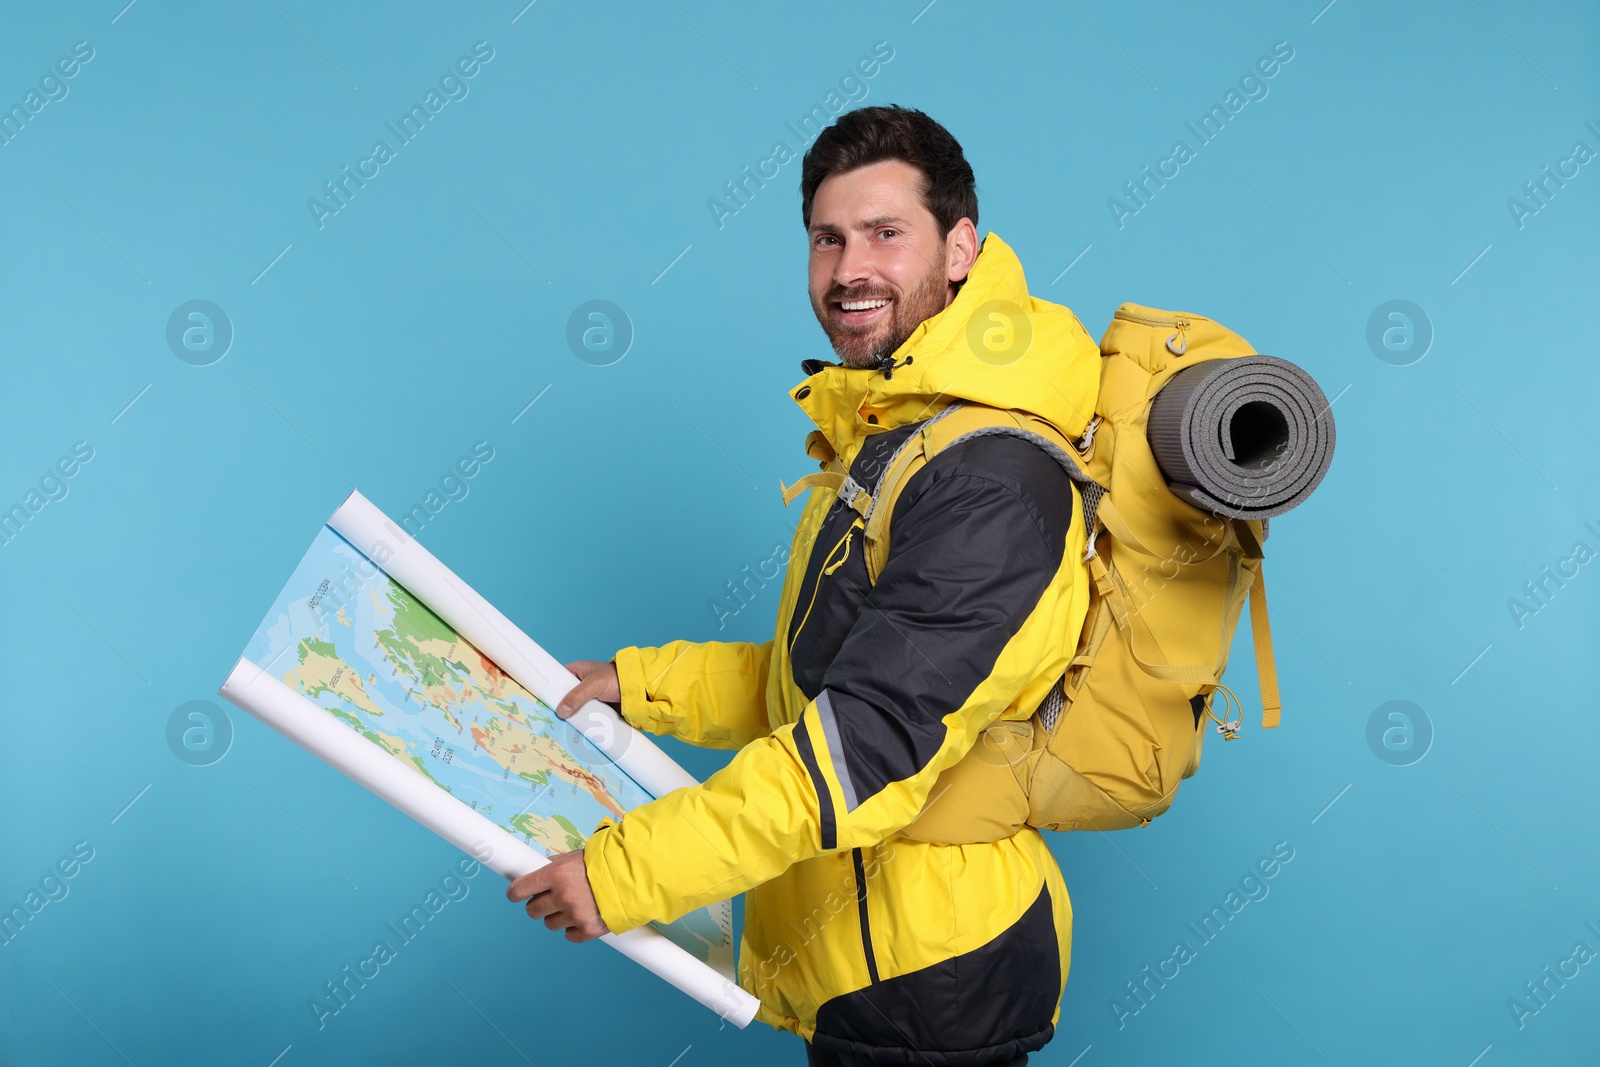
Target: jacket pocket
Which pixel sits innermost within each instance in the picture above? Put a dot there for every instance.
(866, 924)
(836, 557)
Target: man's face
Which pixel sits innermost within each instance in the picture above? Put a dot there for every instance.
(878, 266)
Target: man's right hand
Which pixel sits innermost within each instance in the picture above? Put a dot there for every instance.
(596, 681)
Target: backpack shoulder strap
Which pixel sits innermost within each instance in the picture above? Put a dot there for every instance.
(955, 423)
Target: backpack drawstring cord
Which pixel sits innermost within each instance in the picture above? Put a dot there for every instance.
(1226, 726)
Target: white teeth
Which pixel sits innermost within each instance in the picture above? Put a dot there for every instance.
(862, 305)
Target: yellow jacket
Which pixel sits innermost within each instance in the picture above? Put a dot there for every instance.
(859, 939)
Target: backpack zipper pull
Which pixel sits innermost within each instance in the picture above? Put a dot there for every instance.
(1181, 337)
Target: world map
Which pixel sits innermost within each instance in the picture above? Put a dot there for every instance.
(361, 647)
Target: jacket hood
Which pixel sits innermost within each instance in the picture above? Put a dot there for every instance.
(995, 344)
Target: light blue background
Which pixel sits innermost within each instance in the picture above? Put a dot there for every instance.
(432, 309)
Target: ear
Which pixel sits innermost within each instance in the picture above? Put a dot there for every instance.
(960, 250)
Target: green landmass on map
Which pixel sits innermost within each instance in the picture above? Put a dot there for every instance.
(414, 624)
(574, 838)
(555, 833)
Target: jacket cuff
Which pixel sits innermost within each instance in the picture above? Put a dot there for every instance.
(636, 710)
(601, 884)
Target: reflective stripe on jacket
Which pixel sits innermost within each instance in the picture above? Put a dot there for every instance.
(860, 941)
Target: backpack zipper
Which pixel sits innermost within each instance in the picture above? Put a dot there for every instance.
(1180, 319)
(829, 565)
(1178, 343)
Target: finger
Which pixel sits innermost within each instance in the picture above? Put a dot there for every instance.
(541, 906)
(580, 694)
(529, 885)
(558, 920)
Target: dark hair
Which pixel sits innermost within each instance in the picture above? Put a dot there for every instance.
(873, 134)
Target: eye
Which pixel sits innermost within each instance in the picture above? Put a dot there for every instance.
(824, 237)
(887, 231)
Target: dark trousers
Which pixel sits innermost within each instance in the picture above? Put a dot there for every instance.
(816, 1057)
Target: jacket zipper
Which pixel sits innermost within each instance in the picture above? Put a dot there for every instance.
(829, 565)
(861, 905)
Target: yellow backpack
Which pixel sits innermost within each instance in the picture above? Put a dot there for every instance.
(1109, 747)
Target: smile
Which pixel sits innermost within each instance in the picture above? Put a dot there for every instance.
(861, 312)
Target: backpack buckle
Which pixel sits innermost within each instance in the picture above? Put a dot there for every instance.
(854, 495)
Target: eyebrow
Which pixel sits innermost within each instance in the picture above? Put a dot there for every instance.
(869, 224)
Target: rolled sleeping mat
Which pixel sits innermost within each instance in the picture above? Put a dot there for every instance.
(1247, 438)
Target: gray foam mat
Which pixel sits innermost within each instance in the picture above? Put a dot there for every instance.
(1247, 438)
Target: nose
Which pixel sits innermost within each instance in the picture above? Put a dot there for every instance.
(854, 265)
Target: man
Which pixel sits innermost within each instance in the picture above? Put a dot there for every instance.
(876, 946)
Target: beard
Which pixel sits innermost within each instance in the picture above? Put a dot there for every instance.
(866, 346)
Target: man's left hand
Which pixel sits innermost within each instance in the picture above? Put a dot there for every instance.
(559, 894)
